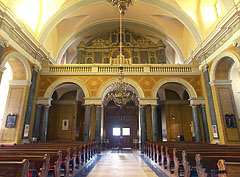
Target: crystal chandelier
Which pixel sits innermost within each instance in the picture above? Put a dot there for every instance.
(120, 93)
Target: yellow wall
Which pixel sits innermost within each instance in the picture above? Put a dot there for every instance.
(16, 104)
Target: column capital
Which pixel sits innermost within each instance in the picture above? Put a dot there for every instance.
(36, 68)
(220, 82)
(205, 67)
(20, 82)
(44, 101)
(142, 106)
(92, 101)
(196, 101)
(148, 101)
(3, 42)
(236, 42)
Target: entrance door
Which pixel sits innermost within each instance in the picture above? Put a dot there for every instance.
(121, 125)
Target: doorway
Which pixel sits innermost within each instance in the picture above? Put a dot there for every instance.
(121, 126)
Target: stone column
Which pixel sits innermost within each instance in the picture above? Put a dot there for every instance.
(210, 98)
(205, 124)
(87, 122)
(196, 122)
(143, 122)
(30, 99)
(36, 121)
(44, 123)
(154, 123)
(98, 127)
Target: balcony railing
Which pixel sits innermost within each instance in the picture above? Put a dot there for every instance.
(163, 69)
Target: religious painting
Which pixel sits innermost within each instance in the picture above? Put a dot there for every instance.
(11, 121)
(230, 121)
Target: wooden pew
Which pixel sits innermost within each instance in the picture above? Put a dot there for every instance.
(14, 168)
(228, 169)
(207, 154)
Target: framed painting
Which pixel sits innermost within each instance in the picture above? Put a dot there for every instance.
(11, 121)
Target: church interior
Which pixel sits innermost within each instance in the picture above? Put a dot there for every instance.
(155, 80)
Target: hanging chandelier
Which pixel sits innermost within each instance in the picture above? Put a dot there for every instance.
(121, 5)
(120, 93)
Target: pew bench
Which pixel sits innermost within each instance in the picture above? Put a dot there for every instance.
(14, 168)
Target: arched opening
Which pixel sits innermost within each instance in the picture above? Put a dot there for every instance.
(121, 124)
(66, 114)
(14, 88)
(174, 112)
(226, 83)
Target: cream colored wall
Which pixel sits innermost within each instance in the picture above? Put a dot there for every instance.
(51, 43)
(188, 43)
(234, 76)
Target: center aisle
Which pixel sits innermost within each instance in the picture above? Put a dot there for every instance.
(121, 164)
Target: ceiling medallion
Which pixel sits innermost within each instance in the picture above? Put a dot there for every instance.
(120, 93)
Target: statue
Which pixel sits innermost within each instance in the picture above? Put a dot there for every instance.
(192, 130)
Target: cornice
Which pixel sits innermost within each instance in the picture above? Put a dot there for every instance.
(197, 101)
(228, 26)
(220, 82)
(17, 32)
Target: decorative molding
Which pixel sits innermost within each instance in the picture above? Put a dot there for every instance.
(148, 101)
(236, 42)
(204, 68)
(238, 68)
(174, 102)
(93, 101)
(36, 68)
(20, 82)
(16, 31)
(64, 102)
(197, 101)
(3, 42)
(218, 60)
(220, 82)
(191, 91)
(2, 68)
(54, 85)
(224, 32)
(44, 101)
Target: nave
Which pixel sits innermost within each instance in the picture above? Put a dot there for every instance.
(126, 163)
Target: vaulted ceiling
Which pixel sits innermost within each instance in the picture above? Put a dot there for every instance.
(59, 25)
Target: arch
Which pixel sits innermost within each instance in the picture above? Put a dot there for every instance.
(174, 10)
(218, 59)
(129, 81)
(23, 60)
(192, 93)
(53, 86)
(115, 22)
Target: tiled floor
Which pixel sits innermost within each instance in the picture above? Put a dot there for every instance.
(121, 164)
